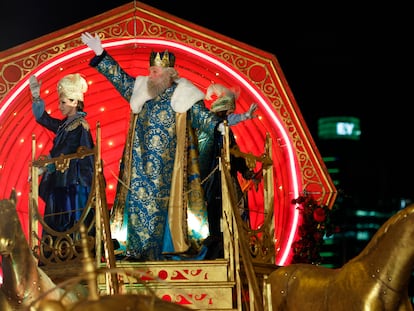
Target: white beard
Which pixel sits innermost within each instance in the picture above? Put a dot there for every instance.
(157, 87)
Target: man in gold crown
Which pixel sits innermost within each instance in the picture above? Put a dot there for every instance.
(160, 186)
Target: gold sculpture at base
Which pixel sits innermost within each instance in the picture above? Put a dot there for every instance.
(26, 287)
(23, 281)
(376, 279)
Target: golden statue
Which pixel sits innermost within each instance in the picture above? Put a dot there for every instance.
(376, 279)
(23, 281)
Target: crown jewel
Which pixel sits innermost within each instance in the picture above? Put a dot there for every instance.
(163, 59)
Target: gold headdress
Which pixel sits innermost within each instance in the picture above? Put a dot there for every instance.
(163, 59)
(72, 86)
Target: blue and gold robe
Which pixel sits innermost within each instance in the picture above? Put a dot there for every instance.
(159, 196)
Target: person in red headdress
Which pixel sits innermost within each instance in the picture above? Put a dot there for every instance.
(160, 187)
(222, 102)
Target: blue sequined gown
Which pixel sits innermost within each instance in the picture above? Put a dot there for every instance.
(65, 193)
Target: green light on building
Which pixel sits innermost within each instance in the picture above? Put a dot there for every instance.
(339, 128)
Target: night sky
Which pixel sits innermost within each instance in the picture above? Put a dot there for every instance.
(338, 59)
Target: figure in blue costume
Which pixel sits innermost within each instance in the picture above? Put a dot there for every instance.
(222, 102)
(65, 193)
(159, 197)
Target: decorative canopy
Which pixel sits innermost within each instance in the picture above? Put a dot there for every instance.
(130, 33)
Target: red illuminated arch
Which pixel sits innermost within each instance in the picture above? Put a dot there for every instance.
(201, 56)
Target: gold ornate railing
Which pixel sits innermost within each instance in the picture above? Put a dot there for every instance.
(250, 252)
(60, 253)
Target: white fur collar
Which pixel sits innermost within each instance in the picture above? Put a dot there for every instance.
(185, 95)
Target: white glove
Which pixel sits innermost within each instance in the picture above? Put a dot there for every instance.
(220, 128)
(249, 114)
(34, 87)
(94, 43)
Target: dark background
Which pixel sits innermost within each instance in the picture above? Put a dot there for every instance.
(339, 58)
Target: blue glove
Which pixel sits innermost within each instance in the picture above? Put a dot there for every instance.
(235, 118)
(249, 114)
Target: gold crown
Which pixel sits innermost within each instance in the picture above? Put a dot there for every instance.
(164, 59)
